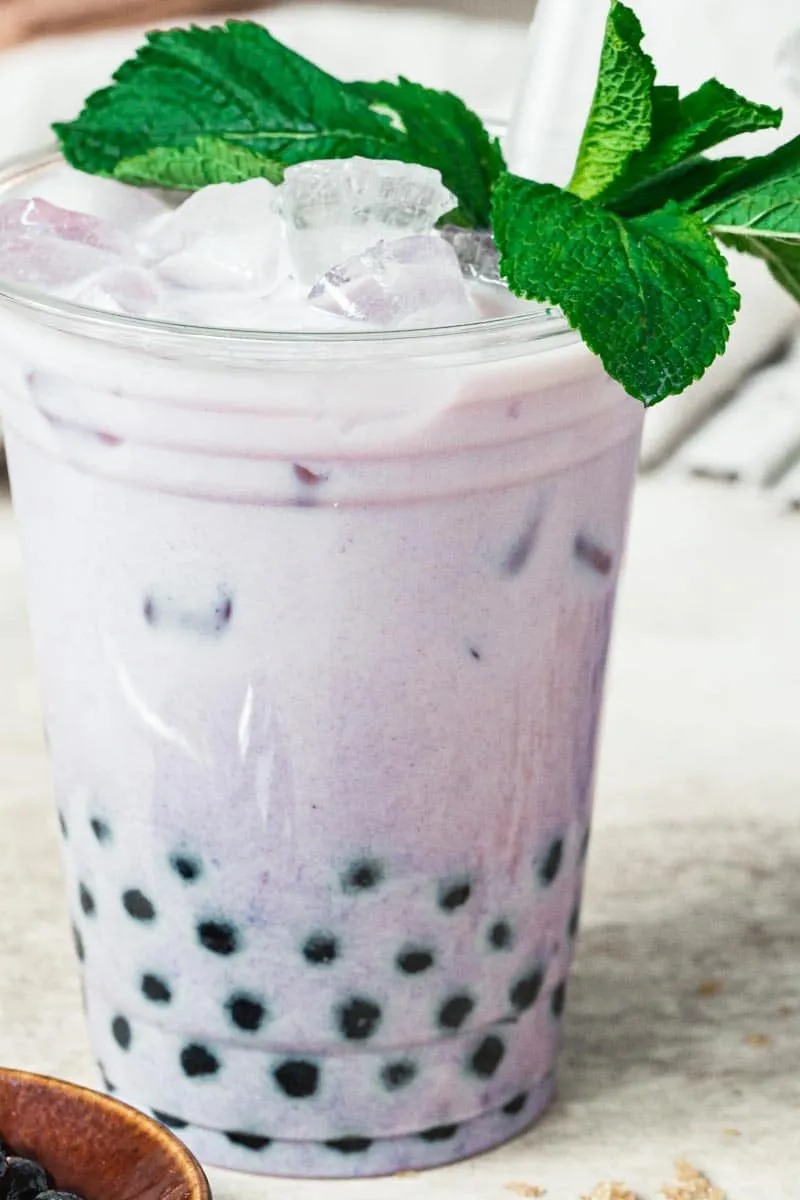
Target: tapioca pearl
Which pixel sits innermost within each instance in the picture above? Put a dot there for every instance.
(591, 554)
(170, 1121)
(516, 1105)
(487, 1057)
(77, 941)
(121, 1032)
(358, 1018)
(138, 906)
(524, 992)
(219, 937)
(454, 894)
(363, 875)
(101, 830)
(248, 1141)
(500, 936)
(308, 477)
(156, 989)
(320, 949)
(439, 1133)
(519, 552)
(573, 924)
(62, 825)
(549, 866)
(415, 960)
(297, 1078)
(199, 1062)
(87, 901)
(246, 1012)
(398, 1074)
(349, 1145)
(584, 850)
(455, 1011)
(187, 867)
(107, 1084)
(558, 1000)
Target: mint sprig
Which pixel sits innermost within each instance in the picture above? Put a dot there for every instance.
(177, 112)
(629, 250)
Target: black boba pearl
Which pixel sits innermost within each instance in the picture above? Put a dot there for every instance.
(107, 1084)
(414, 960)
(455, 1011)
(220, 937)
(121, 1030)
(454, 895)
(138, 906)
(551, 863)
(585, 845)
(439, 1133)
(186, 866)
(297, 1078)
(516, 1105)
(364, 875)
(358, 1018)
(350, 1145)
(87, 900)
(574, 921)
(170, 1121)
(80, 949)
(593, 555)
(101, 829)
(198, 1061)
(558, 999)
(398, 1074)
(525, 992)
(488, 1056)
(320, 949)
(246, 1012)
(501, 936)
(23, 1179)
(155, 989)
(250, 1141)
(62, 824)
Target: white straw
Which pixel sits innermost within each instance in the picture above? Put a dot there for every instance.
(564, 48)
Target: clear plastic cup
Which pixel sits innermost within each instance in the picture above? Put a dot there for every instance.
(321, 626)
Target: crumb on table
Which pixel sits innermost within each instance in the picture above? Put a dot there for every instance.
(691, 1184)
(526, 1189)
(610, 1191)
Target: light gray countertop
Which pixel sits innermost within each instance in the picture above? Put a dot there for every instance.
(694, 881)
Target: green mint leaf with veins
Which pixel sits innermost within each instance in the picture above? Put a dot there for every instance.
(187, 168)
(683, 129)
(621, 117)
(440, 131)
(650, 295)
(198, 92)
(756, 209)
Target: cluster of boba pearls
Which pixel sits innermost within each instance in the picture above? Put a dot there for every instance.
(25, 1179)
(357, 1018)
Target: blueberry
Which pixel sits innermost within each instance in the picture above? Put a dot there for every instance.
(23, 1179)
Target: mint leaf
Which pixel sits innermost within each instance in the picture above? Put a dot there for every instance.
(209, 93)
(686, 183)
(236, 83)
(706, 118)
(621, 116)
(187, 168)
(441, 132)
(650, 295)
(756, 209)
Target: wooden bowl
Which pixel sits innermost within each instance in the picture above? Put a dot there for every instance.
(93, 1145)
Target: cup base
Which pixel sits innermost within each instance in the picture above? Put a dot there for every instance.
(353, 1158)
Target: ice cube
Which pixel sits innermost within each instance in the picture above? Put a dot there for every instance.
(41, 243)
(224, 236)
(412, 282)
(476, 252)
(336, 209)
(127, 207)
(123, 289)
